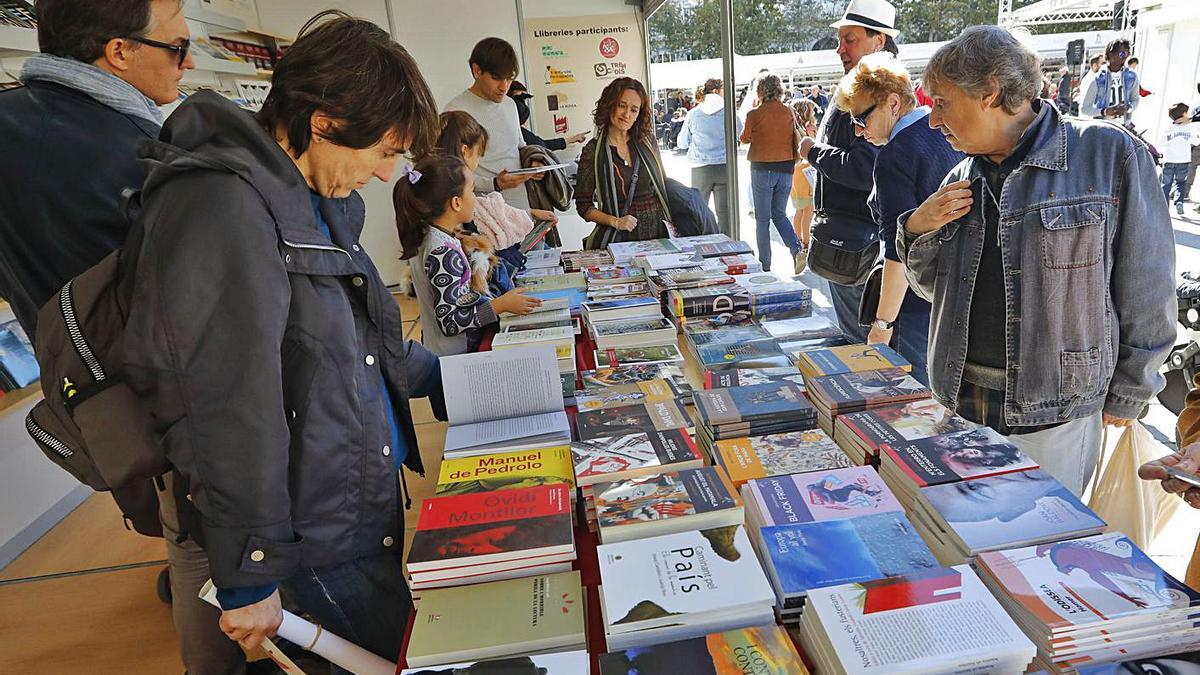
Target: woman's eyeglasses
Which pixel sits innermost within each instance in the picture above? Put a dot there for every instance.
(181, 49)
(860, 121)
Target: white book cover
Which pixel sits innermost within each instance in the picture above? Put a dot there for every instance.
(549, 257)
(564, 334)
(936, 621)
(655, 581)
(624, 251)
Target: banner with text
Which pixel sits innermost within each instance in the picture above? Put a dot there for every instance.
(571, 60)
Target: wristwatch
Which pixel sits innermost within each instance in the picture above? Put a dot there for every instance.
(883, 325)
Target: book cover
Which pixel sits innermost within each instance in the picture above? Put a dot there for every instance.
(617, 291)
(829, 553)
(562, 663)
(16, 355)
(737, 377)
(779, 454)
(731, 247)
(506, 471)
(653, 581)
(961, 456)
(717, 299)
(631, 356)
(756, 401)
(617, 395)
(574, 297)
(668, 261)
(499, 618)
(601, 306)
(854, 391)
(761, 650)
(1011, 509)
(608, 274)
(604, 378)
(951, 623)
(849, 359)
(624, 251)
(906, 422)
(618, 327)
(833, 494)
(1086, 581)
(491, 525)
(664, 496)
(788, 327)
(657, 415)
(609, 457)
(750, 354)
(567, 281)
(700, 334)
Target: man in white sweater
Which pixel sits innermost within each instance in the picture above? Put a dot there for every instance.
(494, 66)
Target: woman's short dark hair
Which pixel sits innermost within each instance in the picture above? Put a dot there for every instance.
(770, 88)
(459, 129)
(643, 127)
(81, 29)
(497, 57)
(351, 70)
(712, 85)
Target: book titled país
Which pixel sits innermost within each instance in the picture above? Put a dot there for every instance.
(644, 506)
(506, 470)
(834, 494)
(759, 650)
(613, 458)
(779, 454)
(954, 457)
(849, 359)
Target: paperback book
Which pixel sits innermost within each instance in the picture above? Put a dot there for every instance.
(849, 359)
(674, 501)
(603, 275)
(596, 381)
(778, 454)
(763, 353)
(506, 471)
(738, 377)
(954, 457)
(759, 650)
(632, 356)
(624, 252)
(739, 405)
(850, 392)
(618, 395)
(613, 458)
(832, 494)
(562, 663)
(644, 416)
(633, 333)
(868, 429)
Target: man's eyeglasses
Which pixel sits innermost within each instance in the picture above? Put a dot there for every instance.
(180, 49)
(860, 121)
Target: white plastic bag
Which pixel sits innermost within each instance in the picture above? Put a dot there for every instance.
(1139, 508)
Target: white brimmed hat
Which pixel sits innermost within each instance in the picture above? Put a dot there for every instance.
(878, 15)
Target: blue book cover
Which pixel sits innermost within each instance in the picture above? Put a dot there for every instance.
(820, 554)
(766, 401)
(16, 355)
(575, 296)
(761, 351)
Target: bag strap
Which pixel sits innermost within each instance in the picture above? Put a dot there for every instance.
(633, 181)
(1100, 459)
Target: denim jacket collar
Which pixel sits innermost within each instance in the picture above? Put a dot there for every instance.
(1049, 145)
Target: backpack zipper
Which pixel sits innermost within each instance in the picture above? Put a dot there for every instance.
(319, 247)
(67, 303)
(42, 436)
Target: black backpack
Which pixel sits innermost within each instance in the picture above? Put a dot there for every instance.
(689, 213)
(90, 422)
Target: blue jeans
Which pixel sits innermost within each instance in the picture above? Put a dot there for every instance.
(911, 340)
(1175, 173)
(770, 190)
(365, 601)
(845, 301)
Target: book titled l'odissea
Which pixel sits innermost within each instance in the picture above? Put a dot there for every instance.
(613, 458)
(954, 457)
(849, 359)
(506, 470)
(754, 402)
(674, 501)
(761, 650)
(492, 527)
(779, 454)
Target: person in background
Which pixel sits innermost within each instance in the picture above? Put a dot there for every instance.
(520, 95)
(1086, 81)
(1178, 140)
(1133, 65)
(771, 132)
(803, 176)
(434, 200)
(1187, 460)
(1082, 216)
(71, 137)
(913, 159)
(1062, 95)
(267, 348)
(621, 186)
(817, 96)
(494, 66)
(1194, 112)
(703, 136)
(1114, 92)
(845, 236)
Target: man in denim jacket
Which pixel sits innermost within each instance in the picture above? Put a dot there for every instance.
(1114, 92)
(1048, 256)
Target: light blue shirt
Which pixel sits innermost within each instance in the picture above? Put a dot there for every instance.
(703, 135)
(910, 118)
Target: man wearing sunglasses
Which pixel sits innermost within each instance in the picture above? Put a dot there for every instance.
(70, 137)
(1114, 93)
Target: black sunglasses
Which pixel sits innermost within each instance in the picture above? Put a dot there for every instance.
(181, 49)
(861, 120)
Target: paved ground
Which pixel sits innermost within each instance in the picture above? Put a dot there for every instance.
(1173, 548)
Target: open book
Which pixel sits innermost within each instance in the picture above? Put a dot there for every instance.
(504, 400)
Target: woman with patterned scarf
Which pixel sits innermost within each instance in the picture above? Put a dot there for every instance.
(621, 186)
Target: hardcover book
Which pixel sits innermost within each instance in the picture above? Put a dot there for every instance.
(834, 494)
(665, 580)
(670, 496)
(500, 618)
(849, 359)
(506, 471)
(613, 458)
(719, 299)
(645, 416)
(953, 457)
(779, 454)
(761, 650)
(487, 527)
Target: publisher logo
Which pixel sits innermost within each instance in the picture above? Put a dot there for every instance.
(560, 124)
(559, 75)
(553, 52)
(609, 48)
(609, 69)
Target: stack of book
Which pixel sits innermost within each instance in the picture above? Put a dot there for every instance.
(553, 313)
(936, 621)
(607, 275)
(634, 289)
(749, 354)
(637, 307)
(721, 329)
(761, 650)
(598, 380)
(717, 299)
(836, 395)
(849, 359)
(662, 283)
(754, 410)
(487, 536)
(738, 376)
(615, 458)
(660, 262)
(950, 458)
(648, 332)
(770, 295)
(1025, 508)
(664, 503)
(778, 455)
(625, 252)
(644, 415)
(740, 263)
(561, 663)
(817, 496)
(723, 248)
(861, 433)
(506, 471)
(617, 395)
(680, 586)
(577, 261)
(514, 617)
(1093, 600)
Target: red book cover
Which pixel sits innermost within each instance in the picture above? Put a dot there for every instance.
(912, 590)
(494, 507)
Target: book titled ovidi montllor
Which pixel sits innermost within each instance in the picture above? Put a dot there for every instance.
(492, 527)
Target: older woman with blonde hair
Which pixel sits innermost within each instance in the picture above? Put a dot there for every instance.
(913, 160)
